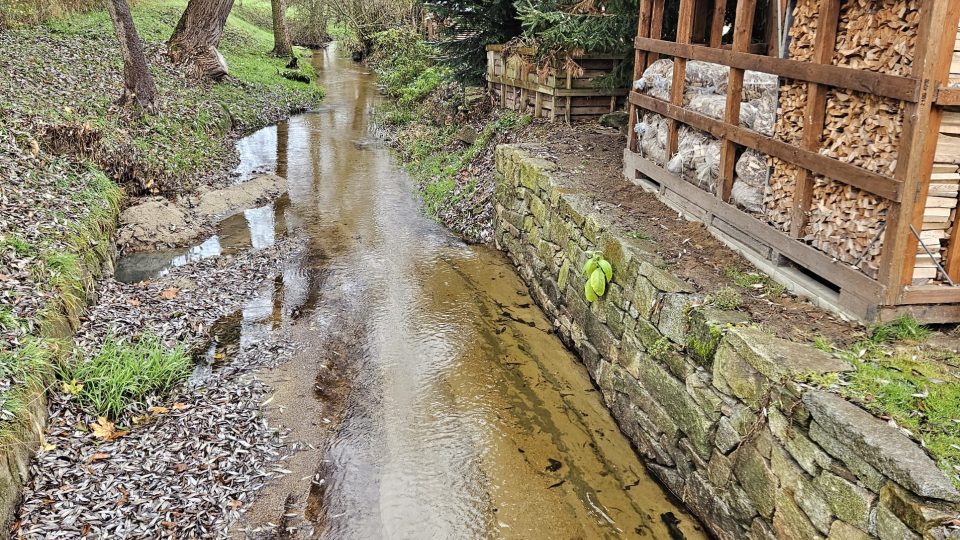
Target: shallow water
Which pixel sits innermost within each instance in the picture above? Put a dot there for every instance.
(465, 416)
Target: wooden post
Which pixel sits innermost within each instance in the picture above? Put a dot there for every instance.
(684, 27)
(941, 74)
(931, 57)
(814, 113)
(568, 113)
(716, 26)
(639, 62)
(656, 27)
(742, 32)
(538, 105)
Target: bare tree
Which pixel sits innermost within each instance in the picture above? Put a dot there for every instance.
(198, 34)
(138, 85)
(281, 34)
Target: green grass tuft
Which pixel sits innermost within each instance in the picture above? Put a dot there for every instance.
(126, 373)
(904, 329)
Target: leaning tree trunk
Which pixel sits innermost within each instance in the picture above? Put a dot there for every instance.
(198, 34)
(281, 35)
(138, 86)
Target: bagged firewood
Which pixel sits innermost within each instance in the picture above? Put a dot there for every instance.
(748, 197)
(697, 159)
(652, 135)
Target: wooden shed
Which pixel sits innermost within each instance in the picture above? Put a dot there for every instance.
(859, 159)
(516, 82)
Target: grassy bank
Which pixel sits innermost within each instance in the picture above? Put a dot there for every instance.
(905, 380)
(444, 133)
(70, 155)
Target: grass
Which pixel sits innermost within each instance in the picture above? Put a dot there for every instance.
(66, 76)
(180, 141)
(727, 298)
(897, 379)
(124, 374)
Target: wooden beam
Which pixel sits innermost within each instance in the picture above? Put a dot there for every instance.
(892, 86)
(684, 28)
(931, 62)
(883, 186)
(716, 25)
(742, 32)
(814, 113)
(948, 97)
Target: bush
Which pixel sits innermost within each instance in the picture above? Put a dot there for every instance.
(125, 374)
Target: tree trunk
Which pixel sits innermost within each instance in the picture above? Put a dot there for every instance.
(281, 35)
(138, 86)
(198, 34)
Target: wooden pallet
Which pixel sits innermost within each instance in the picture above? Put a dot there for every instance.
(514, 82)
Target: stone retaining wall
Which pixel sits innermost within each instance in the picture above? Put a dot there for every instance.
(709, 400)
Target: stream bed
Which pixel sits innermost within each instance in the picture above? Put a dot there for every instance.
(429, 394)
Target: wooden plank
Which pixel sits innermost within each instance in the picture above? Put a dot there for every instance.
(930, 294)
(684, 28)
(886, 187)
(742, 31)
(815, 112)
(917, 145)
(902, 88)
(817, 261)
(948, 97)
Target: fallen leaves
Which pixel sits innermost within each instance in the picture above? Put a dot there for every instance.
(170, 294)
(106, 430)
(97, 456)
(158, 410)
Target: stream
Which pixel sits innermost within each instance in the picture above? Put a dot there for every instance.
(430, 394)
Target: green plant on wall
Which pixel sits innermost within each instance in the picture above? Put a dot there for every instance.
(599, 272)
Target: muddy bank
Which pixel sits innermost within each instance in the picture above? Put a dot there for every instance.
(157, 223)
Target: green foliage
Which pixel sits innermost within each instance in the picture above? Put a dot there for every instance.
(405, 64)
(125, 373)
(471, 25)
(905, 328)
(560, 28)
(598, 272)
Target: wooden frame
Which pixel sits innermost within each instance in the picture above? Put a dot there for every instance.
(924, 92)
(556, 93)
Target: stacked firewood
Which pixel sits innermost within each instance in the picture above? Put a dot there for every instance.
(861, 129)
(789, 125)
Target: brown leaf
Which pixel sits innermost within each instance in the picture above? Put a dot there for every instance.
(106, 430)
(133, 302)
(159, 410)
(180, 406)
(170, 294)
(97, 457)
(180, 467)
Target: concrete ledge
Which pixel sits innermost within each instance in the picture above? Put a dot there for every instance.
(713, 403)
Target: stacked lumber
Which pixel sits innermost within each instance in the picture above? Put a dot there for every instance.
(861, 129)
(955, 63)
(938, 217)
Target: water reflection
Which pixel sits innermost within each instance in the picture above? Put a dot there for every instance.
(257, 228)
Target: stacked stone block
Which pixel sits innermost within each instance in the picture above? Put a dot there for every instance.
(712, 402)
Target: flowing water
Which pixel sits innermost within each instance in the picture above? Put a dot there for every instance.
(435, 398)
